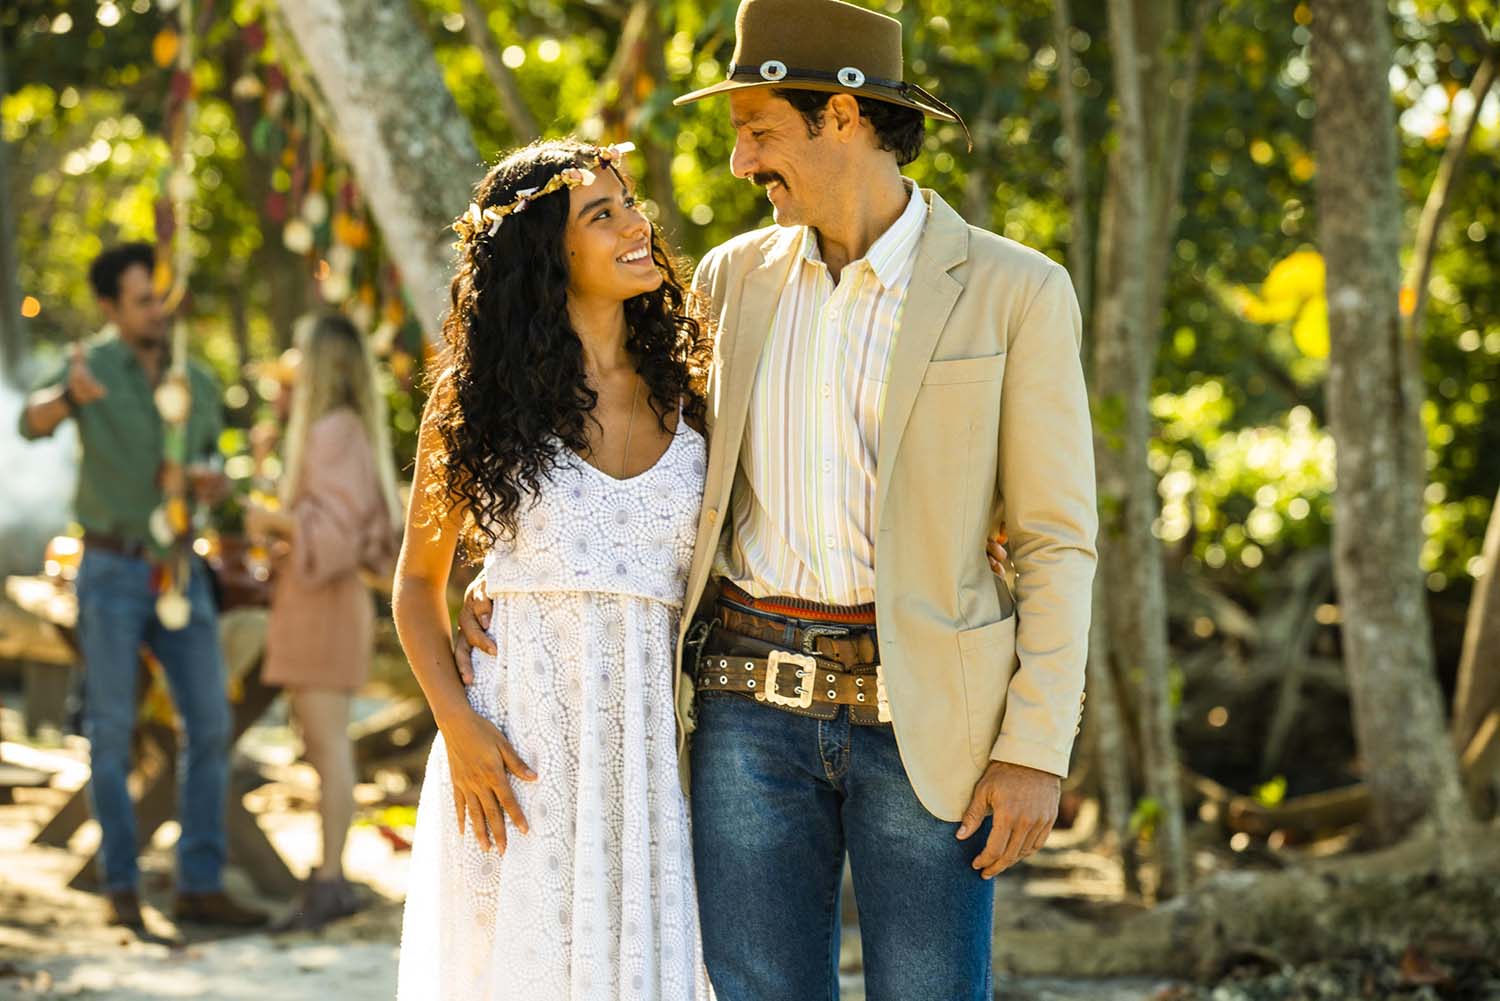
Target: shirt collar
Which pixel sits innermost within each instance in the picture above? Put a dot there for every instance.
(891, 254)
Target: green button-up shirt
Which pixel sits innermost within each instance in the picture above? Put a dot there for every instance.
(122, 439)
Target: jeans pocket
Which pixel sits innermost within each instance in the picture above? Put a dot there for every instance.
(100, 572)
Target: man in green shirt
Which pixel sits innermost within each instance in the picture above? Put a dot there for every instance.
(108, 387)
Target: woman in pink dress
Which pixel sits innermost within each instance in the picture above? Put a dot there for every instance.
(338, 519)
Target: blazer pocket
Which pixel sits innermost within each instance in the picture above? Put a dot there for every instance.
(960, 370)
(988, 653)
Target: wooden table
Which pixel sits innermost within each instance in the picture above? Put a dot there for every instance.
(155, 774)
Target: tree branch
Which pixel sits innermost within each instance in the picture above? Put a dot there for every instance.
(1477, 692)
(1168, 181)
(1440, 195)
(519, 116)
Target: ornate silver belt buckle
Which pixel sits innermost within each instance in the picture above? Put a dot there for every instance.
(807, 668)
(882, 703)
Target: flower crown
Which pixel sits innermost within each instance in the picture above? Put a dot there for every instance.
(487, 220)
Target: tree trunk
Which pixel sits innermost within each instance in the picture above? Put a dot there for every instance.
(979, 186)
(1107, 718)
(517, 114)
(1111, 755)
(1124, 353)
(1373, 403)
(398, 128)
(1080, 251)
(12, 324)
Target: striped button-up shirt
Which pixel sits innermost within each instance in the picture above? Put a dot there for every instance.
(805, 528)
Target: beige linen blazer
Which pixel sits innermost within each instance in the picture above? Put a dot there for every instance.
(985, 406)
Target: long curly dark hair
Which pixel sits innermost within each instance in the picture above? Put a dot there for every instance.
(511, 382)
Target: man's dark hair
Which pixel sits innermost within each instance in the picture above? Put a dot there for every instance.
(105, 272)
(897, 129)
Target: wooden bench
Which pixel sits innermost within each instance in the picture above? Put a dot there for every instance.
(54, 602)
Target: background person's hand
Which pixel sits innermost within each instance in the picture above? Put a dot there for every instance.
(1023, 802)
(264, 526)
(82, 386)
(473, 623)
(481, 762)
(209, 485)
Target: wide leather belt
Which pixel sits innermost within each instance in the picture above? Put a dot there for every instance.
(798, 682)
(792, 657)
(848, 651)
(845, 634)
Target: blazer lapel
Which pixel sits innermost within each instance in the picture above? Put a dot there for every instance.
(929, 299)
(752, 317)
(756, 312)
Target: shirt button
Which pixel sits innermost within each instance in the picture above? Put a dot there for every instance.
(829, 541)
(827, 391)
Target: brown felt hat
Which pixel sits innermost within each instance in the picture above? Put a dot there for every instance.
(823, 45)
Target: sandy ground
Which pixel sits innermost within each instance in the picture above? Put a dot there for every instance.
(54, 942)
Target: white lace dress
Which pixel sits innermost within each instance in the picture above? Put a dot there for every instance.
(598, 900)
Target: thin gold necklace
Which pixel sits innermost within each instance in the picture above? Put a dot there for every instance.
(630, 427)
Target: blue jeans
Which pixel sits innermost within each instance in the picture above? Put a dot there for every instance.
(777, 801)
(116, 615)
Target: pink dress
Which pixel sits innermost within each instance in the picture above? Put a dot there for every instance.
(322, 627)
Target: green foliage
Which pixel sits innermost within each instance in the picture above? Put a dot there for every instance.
(1145, 817)
(1239, 496)
(1245, 465)
(1270, 794)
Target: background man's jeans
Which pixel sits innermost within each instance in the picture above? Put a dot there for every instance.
(777, 800)
(116, 614)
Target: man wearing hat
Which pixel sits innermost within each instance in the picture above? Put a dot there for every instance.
(856, 678)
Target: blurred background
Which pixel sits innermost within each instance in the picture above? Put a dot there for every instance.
(1166, 151)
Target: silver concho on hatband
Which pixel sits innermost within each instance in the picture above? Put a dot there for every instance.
(773, 70)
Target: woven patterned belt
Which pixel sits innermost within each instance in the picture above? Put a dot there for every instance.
(853, 616)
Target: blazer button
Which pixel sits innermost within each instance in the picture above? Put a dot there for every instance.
(713, 514)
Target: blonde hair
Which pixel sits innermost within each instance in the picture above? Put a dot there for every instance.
(337, 370)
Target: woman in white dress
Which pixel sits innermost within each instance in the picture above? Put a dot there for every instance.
(552, 857)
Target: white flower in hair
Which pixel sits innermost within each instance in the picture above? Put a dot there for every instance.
(609, 154)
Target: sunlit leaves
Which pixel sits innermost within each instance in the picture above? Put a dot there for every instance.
(1241, 493)
(1293, 291)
